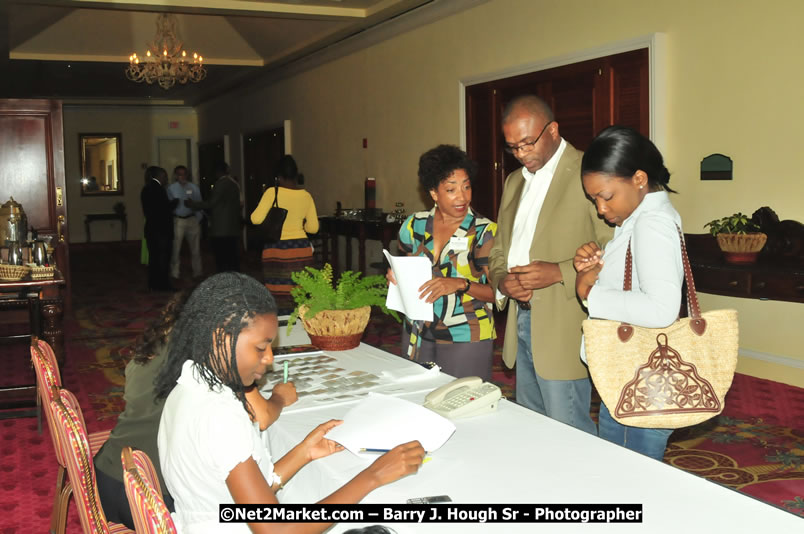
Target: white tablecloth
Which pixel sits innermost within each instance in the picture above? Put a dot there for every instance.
(515, 455)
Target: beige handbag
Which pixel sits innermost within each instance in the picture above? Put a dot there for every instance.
(664, 377)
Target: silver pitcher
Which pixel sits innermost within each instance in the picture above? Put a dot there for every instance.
(14, 253)
(39, 253)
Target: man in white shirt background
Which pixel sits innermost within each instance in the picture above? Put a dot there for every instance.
(186, 221)
(544, 215)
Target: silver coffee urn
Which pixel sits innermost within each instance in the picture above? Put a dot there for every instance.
(13, 230)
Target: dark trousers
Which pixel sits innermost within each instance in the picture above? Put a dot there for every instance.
(227, 253)
(114, 501)
(159, 249)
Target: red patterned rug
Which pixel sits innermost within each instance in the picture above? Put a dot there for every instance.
(756, 446)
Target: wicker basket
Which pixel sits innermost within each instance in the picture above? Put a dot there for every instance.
(336, 329)
(741, 248)
(42, 273)
(12, 273)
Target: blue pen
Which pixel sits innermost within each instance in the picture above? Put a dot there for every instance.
(286, 372)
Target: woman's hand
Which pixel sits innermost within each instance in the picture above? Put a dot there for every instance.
(285, 393)
(586, 279)
(390, 276)
(587, 256)
(317, 445)
(400, 461)
(436, 288)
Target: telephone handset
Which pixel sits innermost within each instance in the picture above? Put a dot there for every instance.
(464, 397)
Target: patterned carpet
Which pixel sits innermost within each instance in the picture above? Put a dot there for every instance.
(756, 446)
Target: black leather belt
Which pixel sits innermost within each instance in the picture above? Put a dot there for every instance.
(185, 216)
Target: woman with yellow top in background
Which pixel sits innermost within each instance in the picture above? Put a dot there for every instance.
(293, 252)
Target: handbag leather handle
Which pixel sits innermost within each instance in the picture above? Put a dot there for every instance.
(276, 199)
(697, 323)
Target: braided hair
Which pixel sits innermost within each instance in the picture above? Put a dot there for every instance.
(156, 335)
(208, 326)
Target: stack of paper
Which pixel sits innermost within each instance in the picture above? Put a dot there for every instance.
(383, 422)
(411, 272)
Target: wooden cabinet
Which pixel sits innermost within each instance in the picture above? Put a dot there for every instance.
(775, 275)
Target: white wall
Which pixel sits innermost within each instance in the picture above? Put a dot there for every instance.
(732, 86)
(140, 126)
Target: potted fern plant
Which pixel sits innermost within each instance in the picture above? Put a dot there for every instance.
(738, 237)
(336, 315)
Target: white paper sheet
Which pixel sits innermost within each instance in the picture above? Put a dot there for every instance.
(383, 422)
(410, 374)
(410, 273)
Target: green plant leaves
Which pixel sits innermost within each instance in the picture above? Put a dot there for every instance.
(315, 289)
(739, 223)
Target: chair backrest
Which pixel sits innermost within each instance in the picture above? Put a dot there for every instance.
(144, 494)
(47, 352)
(47, 376)
(78, 459)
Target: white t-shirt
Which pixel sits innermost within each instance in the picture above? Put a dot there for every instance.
(203, 435)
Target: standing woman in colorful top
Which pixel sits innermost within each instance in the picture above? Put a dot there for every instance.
(293, 252)
(457, 242)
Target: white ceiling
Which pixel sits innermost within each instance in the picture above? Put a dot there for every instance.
(78, 49)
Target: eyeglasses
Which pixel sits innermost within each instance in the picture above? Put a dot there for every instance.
(527, 147)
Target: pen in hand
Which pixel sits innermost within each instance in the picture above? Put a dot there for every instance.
(285, 378)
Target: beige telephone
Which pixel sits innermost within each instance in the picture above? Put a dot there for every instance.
(464, 397)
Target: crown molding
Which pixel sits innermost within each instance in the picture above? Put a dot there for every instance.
(415, 18)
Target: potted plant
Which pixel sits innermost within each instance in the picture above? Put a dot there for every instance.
(738, 237)
(335, 316)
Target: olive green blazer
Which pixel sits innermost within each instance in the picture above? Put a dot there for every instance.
(567, 220)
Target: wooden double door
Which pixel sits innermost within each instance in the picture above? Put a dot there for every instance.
(585, 98)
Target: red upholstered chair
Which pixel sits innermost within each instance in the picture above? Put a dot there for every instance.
(73, 438)
(144, 494)
(47, 376)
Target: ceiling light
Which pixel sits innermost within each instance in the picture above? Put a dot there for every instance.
(166, 62)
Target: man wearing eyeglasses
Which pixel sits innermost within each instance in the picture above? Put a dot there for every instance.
(544, 215)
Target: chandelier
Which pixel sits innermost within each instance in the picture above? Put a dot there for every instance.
(166, 62)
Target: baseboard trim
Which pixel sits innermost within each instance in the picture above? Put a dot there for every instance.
(785, 361)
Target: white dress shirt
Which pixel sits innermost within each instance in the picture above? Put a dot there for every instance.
(657, 270)
(203, 435)
(530, 206)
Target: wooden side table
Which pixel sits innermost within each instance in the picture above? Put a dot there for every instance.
(379, 230)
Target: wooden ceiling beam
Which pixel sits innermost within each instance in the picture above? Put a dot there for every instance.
(248, 8)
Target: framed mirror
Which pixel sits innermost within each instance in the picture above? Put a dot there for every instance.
(101, 163)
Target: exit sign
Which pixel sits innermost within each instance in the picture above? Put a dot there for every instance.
(173, 124)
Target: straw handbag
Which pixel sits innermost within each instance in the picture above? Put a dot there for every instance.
(274, 220)
(664, 377)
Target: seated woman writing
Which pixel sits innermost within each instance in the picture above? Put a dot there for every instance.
(457, 241)
(138, 424)
(211, 451)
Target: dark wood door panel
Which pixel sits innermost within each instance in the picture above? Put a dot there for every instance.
(23, 158)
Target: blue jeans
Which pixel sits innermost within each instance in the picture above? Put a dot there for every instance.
(567, 401)
(648, 441)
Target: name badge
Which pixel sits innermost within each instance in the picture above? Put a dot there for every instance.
(459, 243)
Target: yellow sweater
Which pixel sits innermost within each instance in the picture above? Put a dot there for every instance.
(302, 217)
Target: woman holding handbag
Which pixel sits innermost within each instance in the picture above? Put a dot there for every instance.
(292, 251)
(623, 173)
